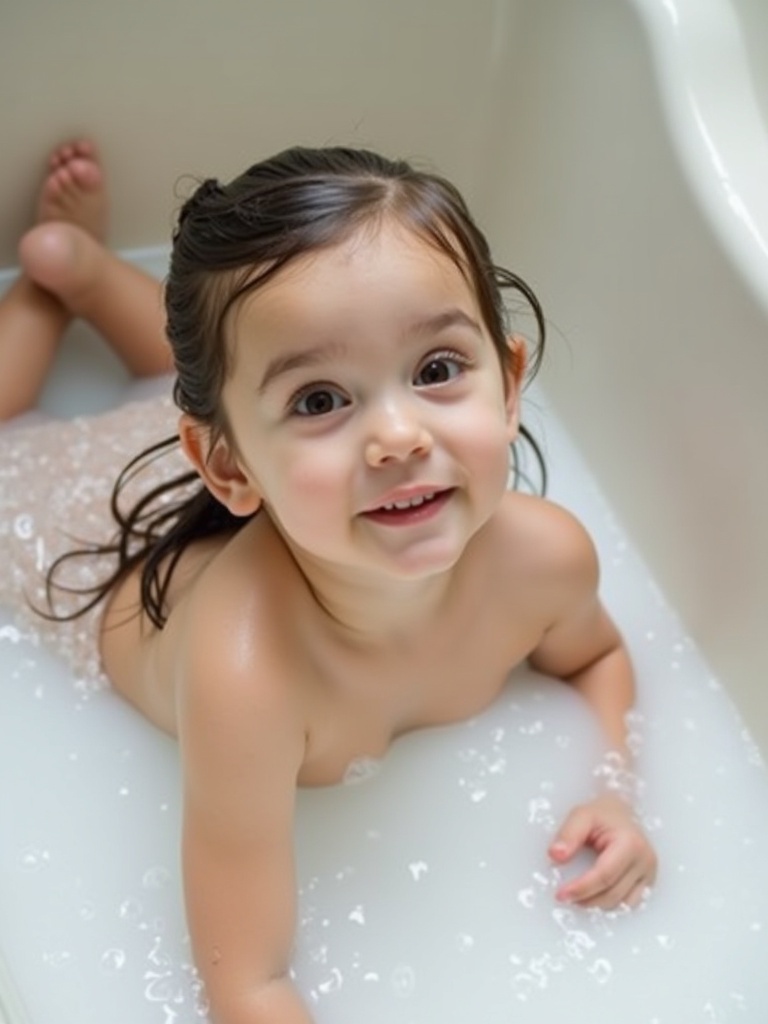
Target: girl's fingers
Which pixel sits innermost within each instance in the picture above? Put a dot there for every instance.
(600, 878)
(572, 836)
(611, 880)
(638, 894)
(628, 891)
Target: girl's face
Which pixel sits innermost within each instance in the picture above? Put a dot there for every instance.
(369, 410)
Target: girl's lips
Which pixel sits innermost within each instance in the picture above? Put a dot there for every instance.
(417, 510)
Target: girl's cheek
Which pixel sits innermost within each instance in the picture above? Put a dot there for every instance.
(311, 477)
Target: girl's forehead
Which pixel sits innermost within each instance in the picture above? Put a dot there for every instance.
(386, 259)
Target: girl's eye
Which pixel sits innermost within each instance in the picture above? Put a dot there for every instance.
(439, 370)
(318, 402)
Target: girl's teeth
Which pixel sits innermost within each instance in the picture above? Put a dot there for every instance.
(413, 503)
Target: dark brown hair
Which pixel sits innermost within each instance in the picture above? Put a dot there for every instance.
(230, 240)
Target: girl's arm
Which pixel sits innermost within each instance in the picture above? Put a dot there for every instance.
(583, 647)
(242, 744)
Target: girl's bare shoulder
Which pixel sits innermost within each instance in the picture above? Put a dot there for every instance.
(541, 539)
(231, 631)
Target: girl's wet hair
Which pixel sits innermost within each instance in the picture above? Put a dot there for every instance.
(228, 242)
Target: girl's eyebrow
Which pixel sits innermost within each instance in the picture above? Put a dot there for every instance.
(288, 361)
(453, 317)
(432, 324)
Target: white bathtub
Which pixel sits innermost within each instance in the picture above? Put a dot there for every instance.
(622, 176)
(633, 190)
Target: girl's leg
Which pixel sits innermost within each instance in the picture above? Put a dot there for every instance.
(31, 319)
(119, 300)
(65, 255)
(31, 323)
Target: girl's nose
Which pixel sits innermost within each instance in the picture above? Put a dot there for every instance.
(396, 433)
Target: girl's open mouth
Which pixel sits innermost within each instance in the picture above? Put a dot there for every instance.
(414, 510)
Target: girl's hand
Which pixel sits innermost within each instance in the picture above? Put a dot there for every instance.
(625, 864)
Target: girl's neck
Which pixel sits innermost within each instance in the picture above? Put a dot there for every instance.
(367, 611)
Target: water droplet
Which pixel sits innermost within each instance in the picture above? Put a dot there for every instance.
(540, 812)
(357, 915)
(60, 958)
(532, 729)
(156, 877)
(523, 985)
(576, 942)
(527, 897)
(33, 859)
(24, 526)
(113, 960)
(87, 912)
(157, 956)
(361, 770)
(563, 917)
(465, 943)
(319, 955)
(333, 983)
(200, 999)
(131, 910)
(403, 980)
(160, 989)
(418, 868)
(601, 971)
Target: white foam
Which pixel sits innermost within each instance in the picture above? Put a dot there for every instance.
(425, 891)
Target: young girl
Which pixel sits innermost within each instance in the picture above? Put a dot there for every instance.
(352, 566)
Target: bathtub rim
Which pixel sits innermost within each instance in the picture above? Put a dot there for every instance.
(724, 157)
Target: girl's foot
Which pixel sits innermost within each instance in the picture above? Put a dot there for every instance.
(74, 189)
(62, 252)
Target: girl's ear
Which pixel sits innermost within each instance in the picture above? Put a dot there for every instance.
(218, 467)
(514, 373)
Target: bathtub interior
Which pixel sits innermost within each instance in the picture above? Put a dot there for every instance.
(425, 892)
(753, 21)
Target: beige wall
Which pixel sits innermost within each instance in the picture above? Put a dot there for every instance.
(177, 87)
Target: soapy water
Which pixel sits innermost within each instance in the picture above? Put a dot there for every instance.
(425, 892)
